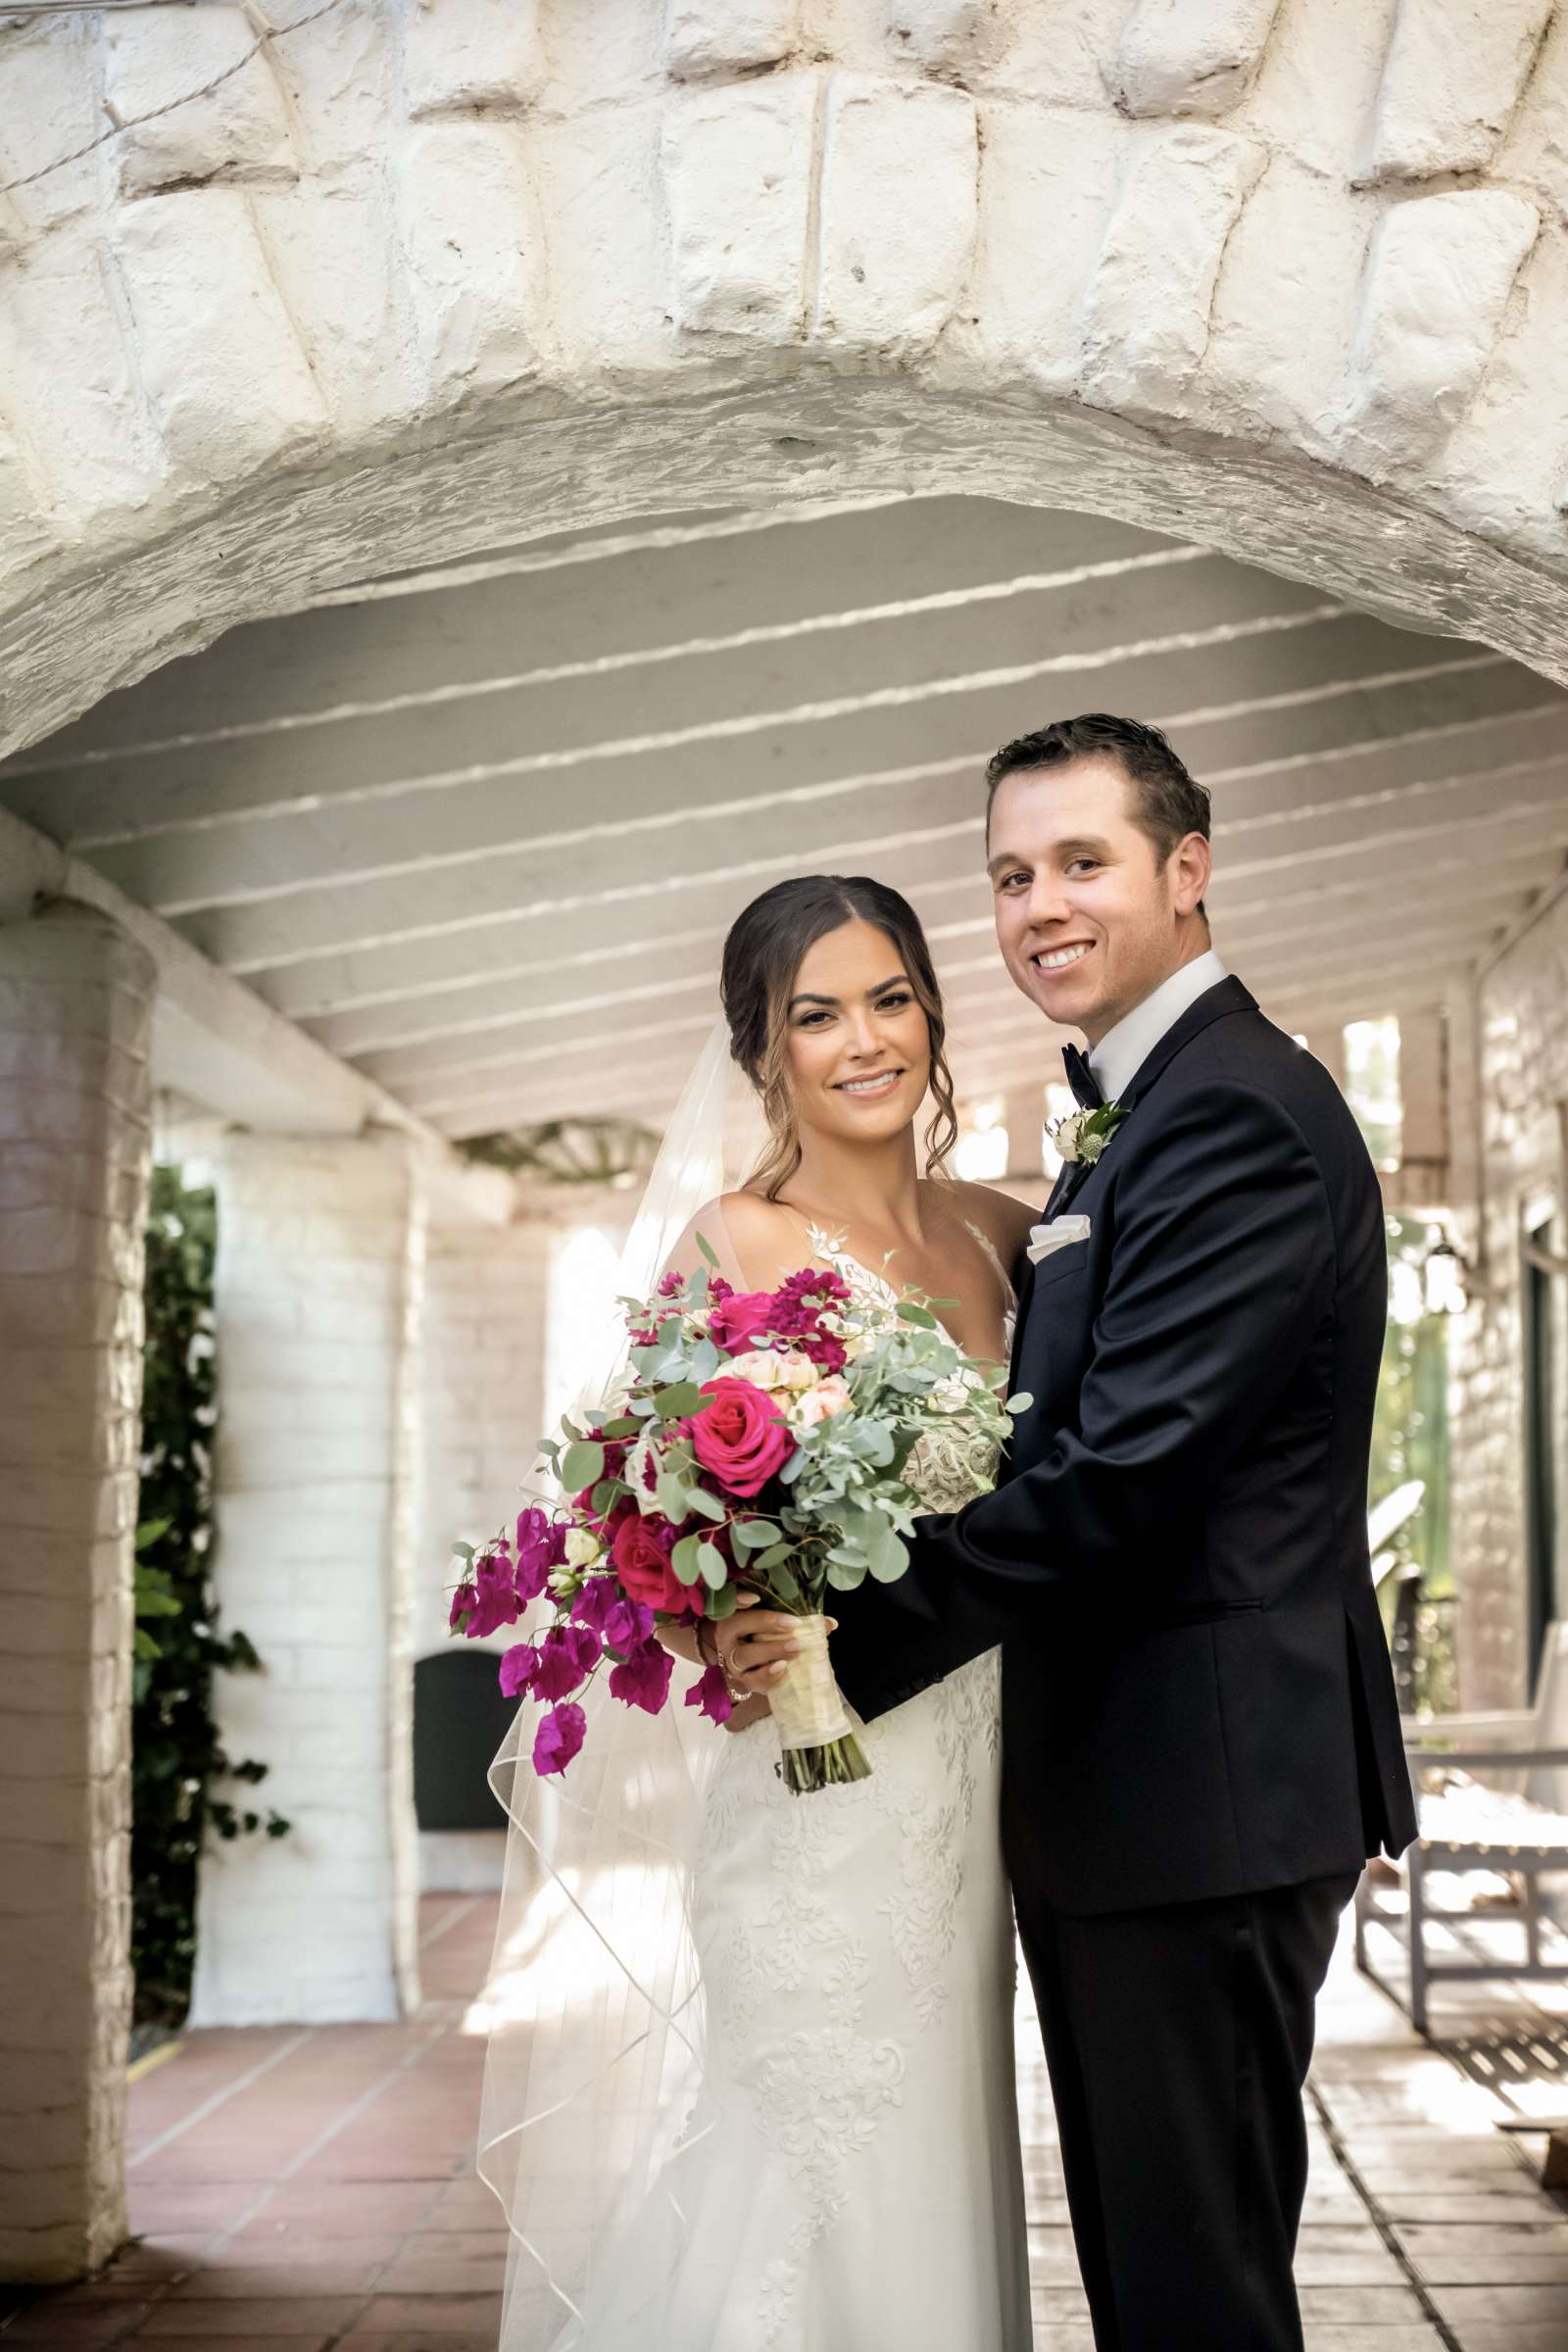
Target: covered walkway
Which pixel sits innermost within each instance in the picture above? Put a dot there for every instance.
(297, 2188)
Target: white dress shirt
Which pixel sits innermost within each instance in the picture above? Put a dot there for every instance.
(1122, 1051)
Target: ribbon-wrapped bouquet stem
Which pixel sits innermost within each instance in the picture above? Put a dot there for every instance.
(755, 1441)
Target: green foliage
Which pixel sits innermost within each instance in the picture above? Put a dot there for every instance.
(176, 1756)
(1410, 1439)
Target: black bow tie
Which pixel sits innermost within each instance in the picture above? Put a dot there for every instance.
(1081, 1078)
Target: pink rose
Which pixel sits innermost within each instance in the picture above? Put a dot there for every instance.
(735, 1321)
(641, 1550)
(742, 1439)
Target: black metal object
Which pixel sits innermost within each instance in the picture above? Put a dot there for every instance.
(460, 1719)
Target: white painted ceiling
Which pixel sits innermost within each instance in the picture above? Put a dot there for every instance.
(479, 829)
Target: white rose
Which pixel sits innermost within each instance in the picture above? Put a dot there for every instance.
(583, 1547)
(830, 1395)
(772, 1368)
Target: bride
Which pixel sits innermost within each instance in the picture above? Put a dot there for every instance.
(839, 2169)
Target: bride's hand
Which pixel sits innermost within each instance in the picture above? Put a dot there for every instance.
(755, 1649)
(749, 1711)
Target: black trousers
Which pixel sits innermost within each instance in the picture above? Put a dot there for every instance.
(1178, 2042)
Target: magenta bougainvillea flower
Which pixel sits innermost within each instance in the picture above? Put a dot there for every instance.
(495, 1600)
(620, 1622)
(541, 1546)
(566, 1653)
(643, 1679)
(560, 1735)
(711, 1694)
(518, 1666)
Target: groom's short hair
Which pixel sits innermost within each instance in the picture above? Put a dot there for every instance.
(1166, 804)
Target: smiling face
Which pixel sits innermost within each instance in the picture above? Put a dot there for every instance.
(1090, 920)
(857, 1043)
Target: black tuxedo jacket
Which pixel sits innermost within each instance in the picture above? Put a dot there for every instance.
(1197, 1695)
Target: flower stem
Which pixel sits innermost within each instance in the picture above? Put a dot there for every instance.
(805, 1770)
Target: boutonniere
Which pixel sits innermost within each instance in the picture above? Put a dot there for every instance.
(1084, 1135)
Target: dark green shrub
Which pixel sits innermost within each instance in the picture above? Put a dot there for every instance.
(177, 1764)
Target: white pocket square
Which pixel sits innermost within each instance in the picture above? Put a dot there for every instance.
(1043, 1239)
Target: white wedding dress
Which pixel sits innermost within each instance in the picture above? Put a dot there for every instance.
(856, 2184)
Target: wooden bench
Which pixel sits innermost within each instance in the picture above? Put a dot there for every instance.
(1492, 1792)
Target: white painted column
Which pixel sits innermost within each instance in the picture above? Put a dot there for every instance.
(319, 1286)
(487, 1299)
(75, 1002)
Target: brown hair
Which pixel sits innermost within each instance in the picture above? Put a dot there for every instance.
(763, 952)
(1166, 804)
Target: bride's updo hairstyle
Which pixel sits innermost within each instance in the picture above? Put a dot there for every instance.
(764, 949)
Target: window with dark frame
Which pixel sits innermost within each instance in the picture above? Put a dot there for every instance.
(1545, 1336)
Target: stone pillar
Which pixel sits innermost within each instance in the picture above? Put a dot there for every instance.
(75, 1002)
(319, 1302)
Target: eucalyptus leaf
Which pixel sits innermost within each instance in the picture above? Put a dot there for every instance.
(705, 1505)
(770, 1562)
(842, 1578)
(753, 1534)
(686, 1559)
(909, 1312)
(581, 1465)
(784, 1583)
(676, 1403)
(603, 1496)
(626, 1425)
(707, 1250)
(713, 1563)
(672, 1497)
(722, 1601)
(889, 1558)
(1020, 1404)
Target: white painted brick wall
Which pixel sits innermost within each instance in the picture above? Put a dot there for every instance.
(320, 1294)
(1514, 1084)
(75, 1112)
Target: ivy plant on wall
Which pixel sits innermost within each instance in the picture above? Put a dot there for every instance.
(178, 1766)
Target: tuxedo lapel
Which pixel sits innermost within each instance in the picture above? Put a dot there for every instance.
(1226, 995)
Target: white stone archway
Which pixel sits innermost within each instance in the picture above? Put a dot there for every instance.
(399, 281)
(1284, 279)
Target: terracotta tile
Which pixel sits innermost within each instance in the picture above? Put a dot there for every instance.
(423, 2315)
(75, 2318)
(216, 2320)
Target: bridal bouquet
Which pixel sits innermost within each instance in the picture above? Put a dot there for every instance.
(754, 1441)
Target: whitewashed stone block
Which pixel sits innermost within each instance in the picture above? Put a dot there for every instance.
(727, 37)
(471, 53)
(154, 56)
(1188, 57)
(737, 170)
(75, 1003)
(1438, 281)
(229, 386)
(898, 205)
(474, 243)
(1451, 84)
(1147, 312)
(944, 37)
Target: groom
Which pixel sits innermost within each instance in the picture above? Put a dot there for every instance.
(1201, 1742)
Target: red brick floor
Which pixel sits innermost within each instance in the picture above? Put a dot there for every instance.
(300, 2189)
(294, 2188)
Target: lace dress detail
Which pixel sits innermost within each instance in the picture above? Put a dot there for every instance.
(856, 2180)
